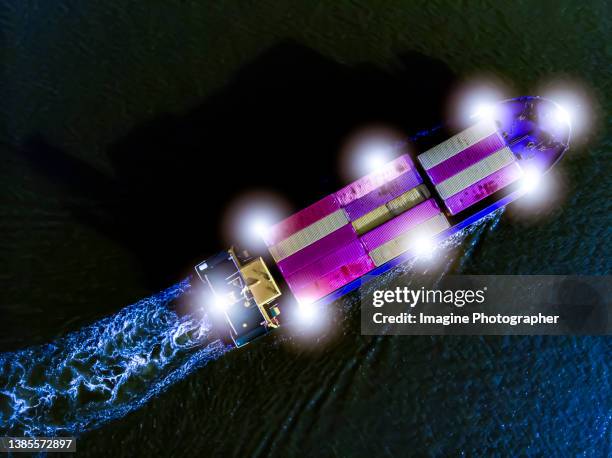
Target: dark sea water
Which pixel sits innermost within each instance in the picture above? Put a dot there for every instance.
(118, 122)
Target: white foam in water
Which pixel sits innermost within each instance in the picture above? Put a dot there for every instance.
(108, 369)
(103, 371)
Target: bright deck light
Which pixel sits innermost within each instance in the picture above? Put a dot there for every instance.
(476, 100)
(376, 158)
(259, 227)
(576, 106)
(484, 111)
(563, 116)
(309, 316)
(250, 217)
(220, 303)
(373, 154)
(369, 150)
(311, 321)
(530, 181)
(424, 247)
(307, 312)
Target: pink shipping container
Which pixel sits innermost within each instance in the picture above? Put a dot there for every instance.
(456, 143)
(400, 224)
(474, 173)
(301, 219)
(333, 280)
(370, 182)
(326, 264)
(462, 160)
(322, 247)
(483, 188)
(383, 194)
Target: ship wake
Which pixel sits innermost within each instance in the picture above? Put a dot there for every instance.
(105, 370)
(114, 366)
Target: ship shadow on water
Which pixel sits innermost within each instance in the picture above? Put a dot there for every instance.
(277, 125)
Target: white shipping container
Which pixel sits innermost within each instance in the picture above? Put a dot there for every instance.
(457, 143)
(397, 246)
(476, 172)
(310, 234)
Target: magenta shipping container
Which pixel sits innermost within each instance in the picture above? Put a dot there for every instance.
(462, 160)
(483, 188)
(383, 194)
(334, 280)
(301, 219)
(322, 247)
(370, 182)
(326, 264)
(400, 224)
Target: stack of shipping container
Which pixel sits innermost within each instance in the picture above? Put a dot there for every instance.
(382, 215)
(347, 234)
(470, 166)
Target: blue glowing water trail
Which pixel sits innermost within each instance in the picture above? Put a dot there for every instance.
(112, 367)
(105, 370)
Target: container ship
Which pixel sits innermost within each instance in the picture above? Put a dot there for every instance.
(379, 221)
